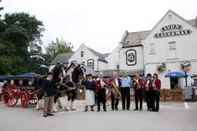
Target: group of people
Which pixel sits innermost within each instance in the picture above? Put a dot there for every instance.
(99, 89)
(147, 89)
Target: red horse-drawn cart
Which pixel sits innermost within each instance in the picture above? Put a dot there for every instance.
(14, 94)
(11, 96)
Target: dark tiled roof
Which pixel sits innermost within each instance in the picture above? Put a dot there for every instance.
(193, 22)
(62, 58)
(134, 38)
(100, 55)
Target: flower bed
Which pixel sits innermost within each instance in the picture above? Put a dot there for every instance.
(172, 95)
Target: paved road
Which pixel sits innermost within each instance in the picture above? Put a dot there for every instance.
(172, 117)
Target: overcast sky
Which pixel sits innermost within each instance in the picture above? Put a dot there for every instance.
(99, 24)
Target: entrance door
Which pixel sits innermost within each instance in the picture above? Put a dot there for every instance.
(174, 82)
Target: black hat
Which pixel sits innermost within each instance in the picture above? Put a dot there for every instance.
(49, 73)
(89, 75)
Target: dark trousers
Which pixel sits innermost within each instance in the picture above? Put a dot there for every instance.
(114, 102)
(150, 100)
(138, 98)
(156, 100)
(101, 98)
(125, 93)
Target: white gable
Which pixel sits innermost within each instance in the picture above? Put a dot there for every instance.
(87, 55)
(172, 28)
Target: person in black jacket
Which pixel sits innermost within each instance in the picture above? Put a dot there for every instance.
(49, 93)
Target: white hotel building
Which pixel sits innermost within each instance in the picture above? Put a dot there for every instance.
(164, 48)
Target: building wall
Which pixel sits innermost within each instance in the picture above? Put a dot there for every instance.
(156, 50)
(87, 56)
(118, 57)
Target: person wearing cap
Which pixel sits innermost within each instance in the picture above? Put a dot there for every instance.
(89, 92)
(126, 84)
(156, 89)
(50, 91)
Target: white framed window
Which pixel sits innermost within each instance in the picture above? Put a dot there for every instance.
(82, 53)
(172, 49)
(172, 45)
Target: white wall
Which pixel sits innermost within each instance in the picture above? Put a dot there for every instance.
(186, 47)
(118, 56)
(87, 55)
(113, 59)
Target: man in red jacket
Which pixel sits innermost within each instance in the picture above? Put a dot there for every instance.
(101, 93)
(138, 85)
(156, 88)
(149, 92)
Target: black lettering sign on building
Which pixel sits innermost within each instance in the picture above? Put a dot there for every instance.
(172, 30)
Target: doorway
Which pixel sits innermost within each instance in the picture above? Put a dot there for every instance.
(174, 82)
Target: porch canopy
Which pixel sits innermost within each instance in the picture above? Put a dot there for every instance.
(178, 74)
(29, 75)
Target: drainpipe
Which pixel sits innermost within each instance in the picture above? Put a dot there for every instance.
(186, 79)
(98, 64)
(144, 67)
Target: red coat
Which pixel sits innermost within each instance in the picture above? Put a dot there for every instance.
(148, 86)
(141, 84)
(98, 85)
(157, 84)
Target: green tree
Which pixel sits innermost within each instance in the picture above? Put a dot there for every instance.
(56, 47)
(18, 33)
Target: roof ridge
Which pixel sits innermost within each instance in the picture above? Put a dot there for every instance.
(140, 31)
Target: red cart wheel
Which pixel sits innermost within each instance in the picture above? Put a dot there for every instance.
(12, 101)
(24, 100)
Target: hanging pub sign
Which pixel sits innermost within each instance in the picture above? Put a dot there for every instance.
(172, 30)
(131, 57)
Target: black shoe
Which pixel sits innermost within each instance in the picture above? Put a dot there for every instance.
(155, 110)
(45, 115)
(151, 109)
(50, 114)
(135, 109)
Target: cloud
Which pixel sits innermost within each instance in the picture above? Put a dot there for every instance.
(99, 24)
